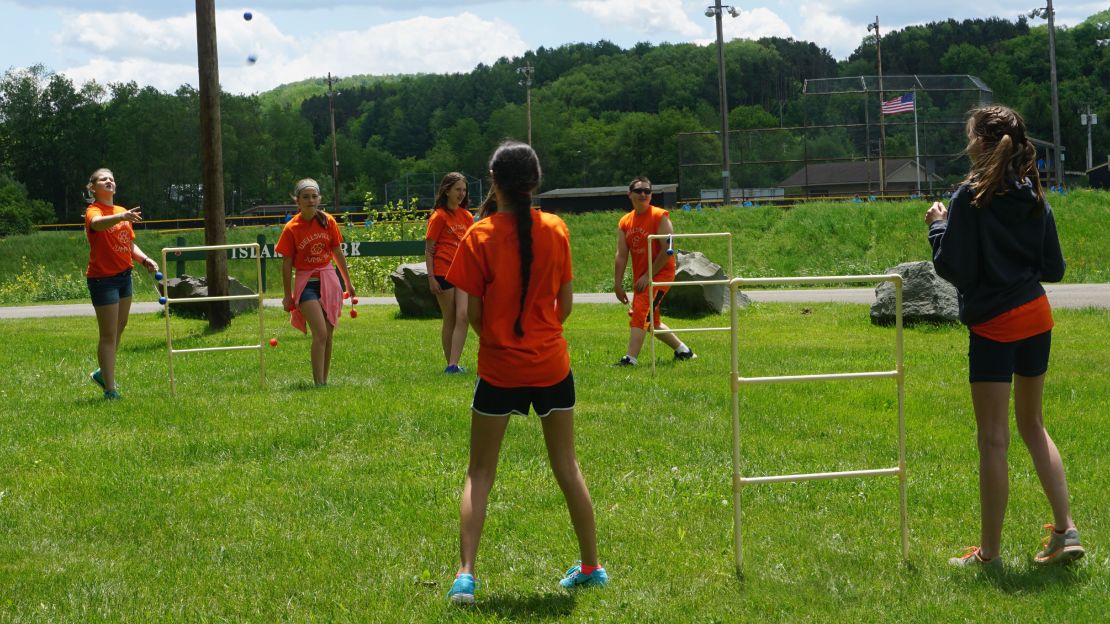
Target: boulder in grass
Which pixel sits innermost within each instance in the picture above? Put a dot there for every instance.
(701, 299)
(187, 287)
(926, 297)
(410, 287)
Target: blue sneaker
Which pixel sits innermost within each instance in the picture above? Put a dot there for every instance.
(462, 590)
(112, 395)
(575, 579)
(98, 379)
(454, 369)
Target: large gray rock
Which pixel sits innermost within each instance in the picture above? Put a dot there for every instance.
(187, 287)
(702, 299)
(410, 287)
(926, 297)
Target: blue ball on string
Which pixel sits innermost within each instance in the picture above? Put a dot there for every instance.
(252, 59)
(247, 15)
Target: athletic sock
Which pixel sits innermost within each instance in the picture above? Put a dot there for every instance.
(589, 569)
(631, 359)
(682, 348)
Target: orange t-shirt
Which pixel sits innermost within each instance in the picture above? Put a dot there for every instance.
(446, 229)
(309, 244)
(1024, 321)
(487, 265)
(637, 228)
(110, 249)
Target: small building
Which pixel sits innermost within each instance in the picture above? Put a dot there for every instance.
(1098, 177)
(270, 210)
(858, 177)
(603, 198)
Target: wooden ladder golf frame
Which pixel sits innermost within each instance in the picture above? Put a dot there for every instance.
(651, 331)
(898, 374)
(259, 297)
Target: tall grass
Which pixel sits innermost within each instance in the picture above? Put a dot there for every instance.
(816, 238)
(230, 502)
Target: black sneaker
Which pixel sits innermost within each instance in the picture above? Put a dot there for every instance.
(625, 361)
(688, 354)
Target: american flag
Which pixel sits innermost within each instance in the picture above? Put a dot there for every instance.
(901, 104)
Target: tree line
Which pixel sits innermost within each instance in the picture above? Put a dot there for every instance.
(600, 115)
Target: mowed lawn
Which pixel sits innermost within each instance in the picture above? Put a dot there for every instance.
(231, 502)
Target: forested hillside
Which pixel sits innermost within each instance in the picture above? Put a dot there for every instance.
(601, 114)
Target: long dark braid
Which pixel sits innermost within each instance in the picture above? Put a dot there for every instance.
(516, 173)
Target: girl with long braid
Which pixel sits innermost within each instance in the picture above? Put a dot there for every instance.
(516, 267)
(996, 242)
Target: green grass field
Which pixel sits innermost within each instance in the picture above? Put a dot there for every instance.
(816, 238)
(291, 504)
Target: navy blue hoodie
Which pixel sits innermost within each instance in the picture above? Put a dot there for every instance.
(997, 256)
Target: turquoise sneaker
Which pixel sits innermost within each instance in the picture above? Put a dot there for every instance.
(462, 590)
(98, 379)
(575, 579)
(112, 395)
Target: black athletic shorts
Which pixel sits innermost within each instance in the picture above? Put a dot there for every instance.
(989, 360)
(491, 400)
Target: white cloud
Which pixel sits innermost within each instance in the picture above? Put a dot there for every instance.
(162, 53)
(829, 30)
(645, 16)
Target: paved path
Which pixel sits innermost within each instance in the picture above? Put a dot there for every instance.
(1059, 295)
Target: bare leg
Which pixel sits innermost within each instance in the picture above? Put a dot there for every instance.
(558, 434)
(107, 323)
(458, 335)
(992, 412)
(1028, 394)
(670, 340)
(446, 301)
(486, 434)
(635, 341)
(321, 339)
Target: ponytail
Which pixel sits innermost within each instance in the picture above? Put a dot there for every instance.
(1001, 154)
(516, 173)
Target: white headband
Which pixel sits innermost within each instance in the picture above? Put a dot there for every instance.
(302, 185)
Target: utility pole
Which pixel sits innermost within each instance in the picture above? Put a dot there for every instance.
(1089, 120)
(334, 153)
(527, 71)
(1055, 96)
(882, 98)
(717, 12)
(212, 163)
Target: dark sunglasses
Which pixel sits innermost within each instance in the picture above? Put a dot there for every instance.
(642, 191)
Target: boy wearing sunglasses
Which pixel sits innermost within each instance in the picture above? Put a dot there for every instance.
(632, 238)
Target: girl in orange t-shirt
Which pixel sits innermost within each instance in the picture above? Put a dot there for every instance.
(112, 250)
(516, 267)
(310, 242)
(450, 219)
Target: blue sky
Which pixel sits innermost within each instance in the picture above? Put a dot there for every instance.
(153, 42)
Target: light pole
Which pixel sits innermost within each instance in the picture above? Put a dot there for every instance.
(1089, 119)
(1058, 165)
(527, 71)
(882, 98)
(334, 149)
(716, 11)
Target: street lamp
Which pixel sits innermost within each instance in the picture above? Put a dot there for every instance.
(1050, 15)
(882, 98)
(716, 12)
(527, 71)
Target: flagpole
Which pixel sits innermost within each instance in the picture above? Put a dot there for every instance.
(916, 145)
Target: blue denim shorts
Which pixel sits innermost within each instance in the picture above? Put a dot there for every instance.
(311, 291)
(989, 360)
(109, 290)
(491, 400)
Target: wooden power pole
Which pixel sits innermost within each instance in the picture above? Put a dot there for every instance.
(212, 162)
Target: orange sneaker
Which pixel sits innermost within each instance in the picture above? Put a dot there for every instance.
(972, 558)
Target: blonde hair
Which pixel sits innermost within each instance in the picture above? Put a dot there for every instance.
(1001, 154)
(90, 196)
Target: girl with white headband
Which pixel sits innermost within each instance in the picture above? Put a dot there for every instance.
(310, 242)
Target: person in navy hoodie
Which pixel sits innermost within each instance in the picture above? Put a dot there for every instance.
(996, 242)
